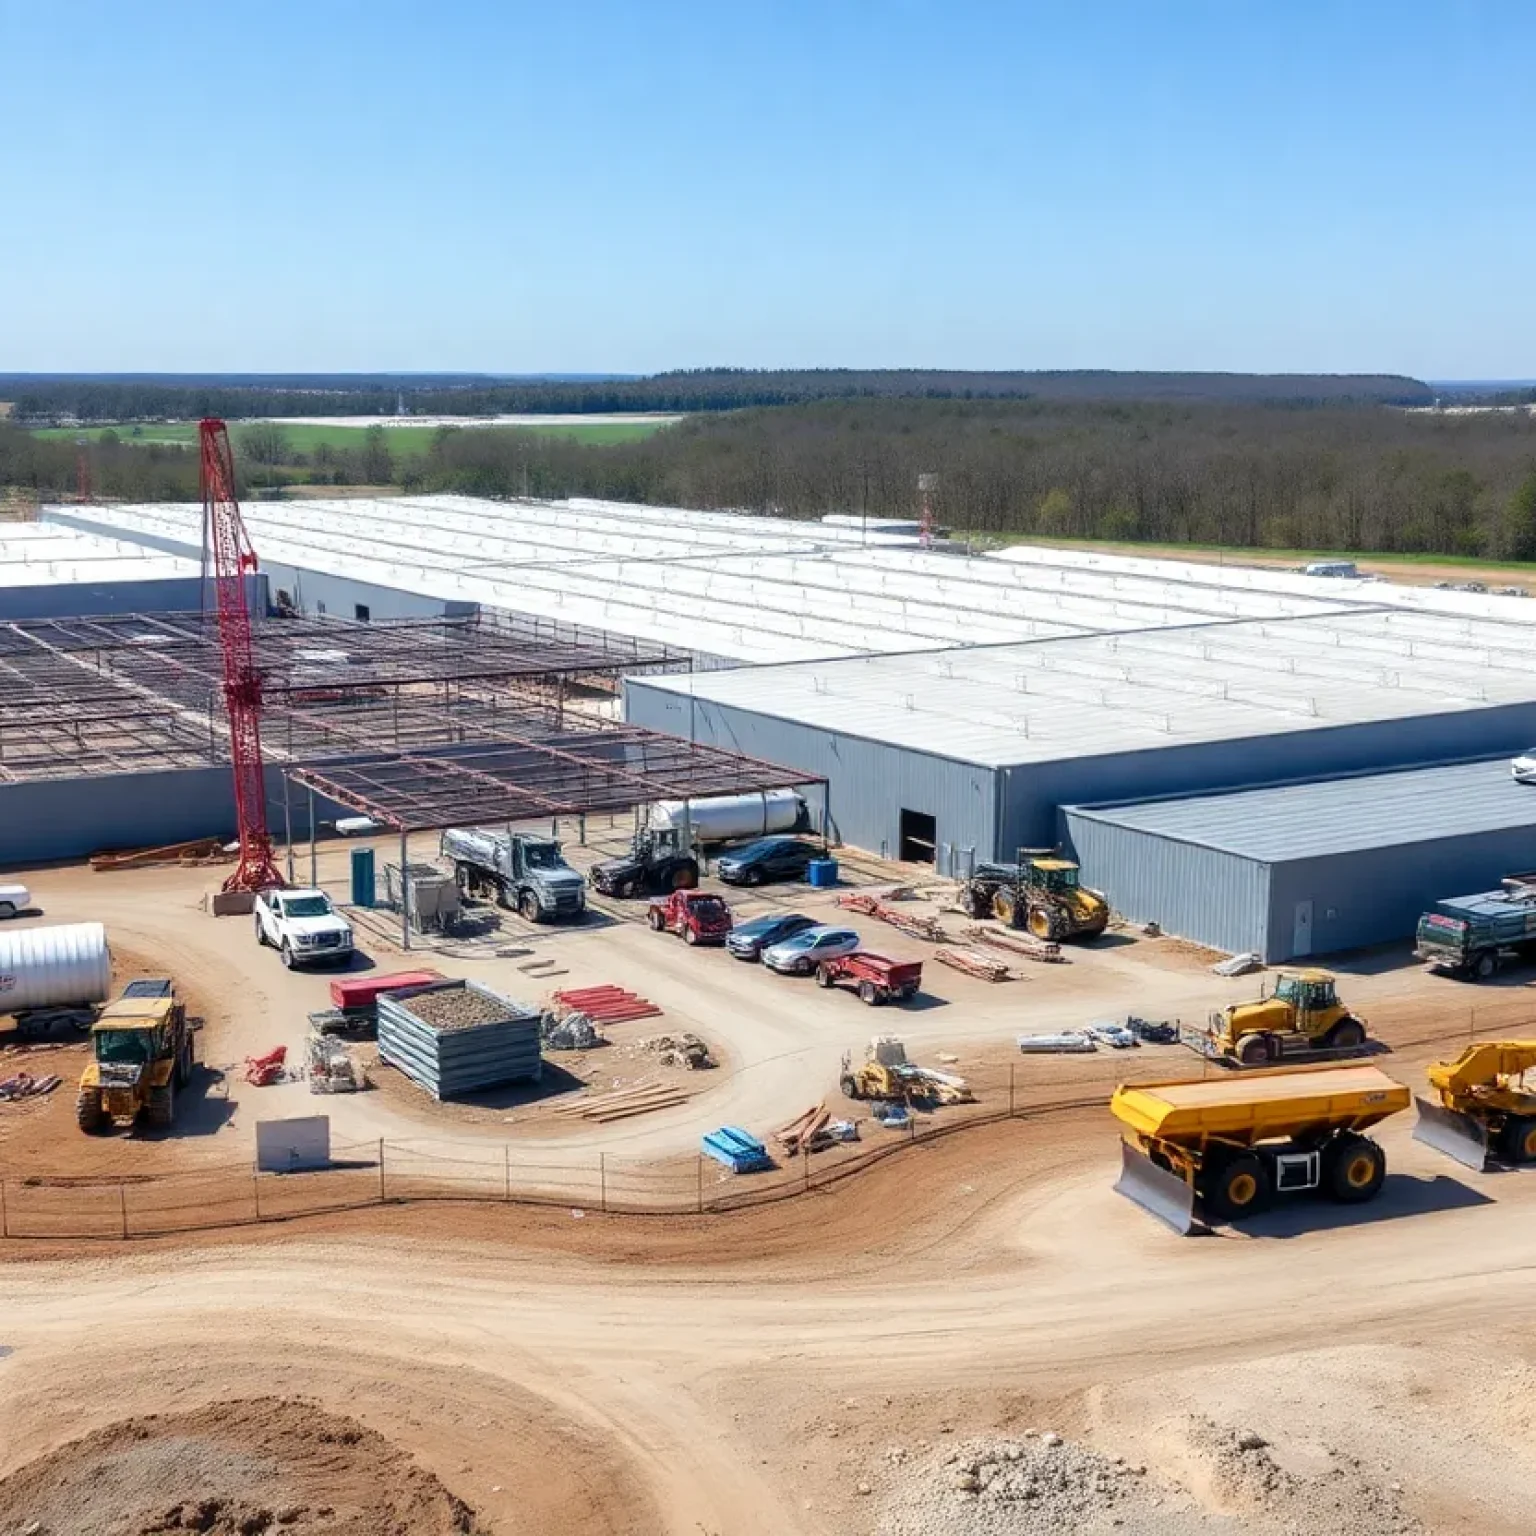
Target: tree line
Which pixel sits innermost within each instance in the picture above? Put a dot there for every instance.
(146, 398)
(1349, 478)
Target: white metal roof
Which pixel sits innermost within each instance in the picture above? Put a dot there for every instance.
(49, 554)
(1094, 695)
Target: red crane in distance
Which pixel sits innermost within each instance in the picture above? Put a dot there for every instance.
(228, 547)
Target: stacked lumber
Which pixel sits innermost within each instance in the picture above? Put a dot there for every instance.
(973, 963)
(909, 923)
(622, 1103)
(607, 1004)
(1019, 943)
(803, 1132)
(202, 850)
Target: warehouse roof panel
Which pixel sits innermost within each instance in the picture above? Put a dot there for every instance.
(1284, 822)
(50, 554)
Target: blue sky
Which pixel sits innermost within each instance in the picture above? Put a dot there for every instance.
(598, 186)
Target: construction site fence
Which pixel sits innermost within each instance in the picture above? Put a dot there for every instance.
(537, 1170)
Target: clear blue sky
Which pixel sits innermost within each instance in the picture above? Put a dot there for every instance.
(593, 186)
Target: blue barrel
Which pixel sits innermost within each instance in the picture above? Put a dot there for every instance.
(821, 872)
(362, 877)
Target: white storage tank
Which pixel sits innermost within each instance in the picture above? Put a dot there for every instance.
(64, 965)
(726, 817)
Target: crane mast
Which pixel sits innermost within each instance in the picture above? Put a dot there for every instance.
(228, 550)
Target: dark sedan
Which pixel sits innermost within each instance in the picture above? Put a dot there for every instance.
(770, 858)
(750, 940)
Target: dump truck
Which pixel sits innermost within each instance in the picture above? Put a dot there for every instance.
(1472, 936)
(1041, 892)
(141, 1057)
(1219, 1149)
(1301, 1016)
(1486, 1113)
(516, 870)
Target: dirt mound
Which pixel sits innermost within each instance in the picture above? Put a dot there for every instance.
(262, 1467)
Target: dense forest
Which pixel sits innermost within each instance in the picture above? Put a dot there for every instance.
(1345, 478)
(147, 398)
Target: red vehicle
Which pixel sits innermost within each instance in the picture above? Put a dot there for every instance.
(700, 916)
(876, 978)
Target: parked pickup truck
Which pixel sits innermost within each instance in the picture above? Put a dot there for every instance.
(1472, 935)
(303, 927)
(699, 916)
(876, 978)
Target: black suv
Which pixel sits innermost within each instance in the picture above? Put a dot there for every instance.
(770, 858)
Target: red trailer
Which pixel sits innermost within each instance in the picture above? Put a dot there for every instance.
(876, 978)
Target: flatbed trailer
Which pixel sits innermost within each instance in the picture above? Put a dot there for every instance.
(1225, 1146)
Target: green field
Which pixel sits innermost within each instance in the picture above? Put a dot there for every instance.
(401, 439)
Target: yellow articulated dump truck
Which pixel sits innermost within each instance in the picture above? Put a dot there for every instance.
(1222, 1148)
(1487, 1112)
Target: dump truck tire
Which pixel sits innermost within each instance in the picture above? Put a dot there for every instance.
(88, 1115)
(848, 1084)
(824, 976)
(1346, 1035)
(1355, 1169)
(1253, 1050)
(1239, 1189)
(1005, 908)
(160, 1108)
(1517, 1141)
(528, 907)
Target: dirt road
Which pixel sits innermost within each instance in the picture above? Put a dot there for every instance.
(751, 1375)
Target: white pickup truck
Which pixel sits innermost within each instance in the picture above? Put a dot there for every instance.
(303, 927)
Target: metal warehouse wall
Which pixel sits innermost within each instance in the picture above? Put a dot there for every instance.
(1032, 792)
(79, 599)
(870, 783)
(1375, 896)
(72, 818)
(1202, 894)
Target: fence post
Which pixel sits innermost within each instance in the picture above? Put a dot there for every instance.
(805, 1163)
(1011, 1066)
(381, 1162)
(5, 1220)
(602, 1181)
(122, 1201)
(256, 1193)
(700, 1159)
(506, 1171)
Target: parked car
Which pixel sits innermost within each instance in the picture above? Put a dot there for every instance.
(14, 900)
(1523, 769)
(750, 940)
(303, 927)
(800, 955)
(699, 916)
(1109, 1032)
(769, 858)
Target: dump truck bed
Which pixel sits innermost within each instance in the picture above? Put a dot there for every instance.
(1260, 1106)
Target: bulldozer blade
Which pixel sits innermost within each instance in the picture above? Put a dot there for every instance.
(1449, 1131)
(1160, 1193)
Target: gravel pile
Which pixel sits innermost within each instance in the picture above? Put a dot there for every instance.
(450, 1008)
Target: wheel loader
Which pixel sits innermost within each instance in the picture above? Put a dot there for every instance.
(1303, 1015)
(1041, 893)
(1486, 1113)
(141, 1047)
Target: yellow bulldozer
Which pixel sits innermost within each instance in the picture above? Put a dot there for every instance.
(1486, 1112)
(141, 1057)
(886, 1075)
(1301, 1016)
(1042, 893)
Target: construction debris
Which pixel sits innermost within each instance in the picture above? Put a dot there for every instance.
(622, 1103)
(263, 1071)
(202, 850)
(1238, 965)
(872, 906)
(805, 1132)
(24, 1086)
(1069, 1041)
(685, 1050)
(606, 1004)
(1018, 943)
(572, 1032)
(331, 1069)
(973, 963)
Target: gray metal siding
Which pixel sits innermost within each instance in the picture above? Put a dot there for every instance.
(871, 783)
(1376, 895)
(79, 599)
(1197, 893)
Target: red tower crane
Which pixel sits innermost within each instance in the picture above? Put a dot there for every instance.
(228, 546)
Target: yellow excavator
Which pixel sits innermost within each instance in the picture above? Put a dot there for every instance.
(1486, 1112)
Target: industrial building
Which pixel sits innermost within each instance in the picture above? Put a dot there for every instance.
(1293, 870)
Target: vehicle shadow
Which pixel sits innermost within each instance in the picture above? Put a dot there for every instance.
(924, 1002)
(1401, 1195)
(203, 1108)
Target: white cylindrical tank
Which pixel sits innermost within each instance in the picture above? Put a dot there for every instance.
(54, 967)
(730, 816)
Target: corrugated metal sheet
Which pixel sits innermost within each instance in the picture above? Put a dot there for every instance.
(1303, 821)
(1199, 893)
